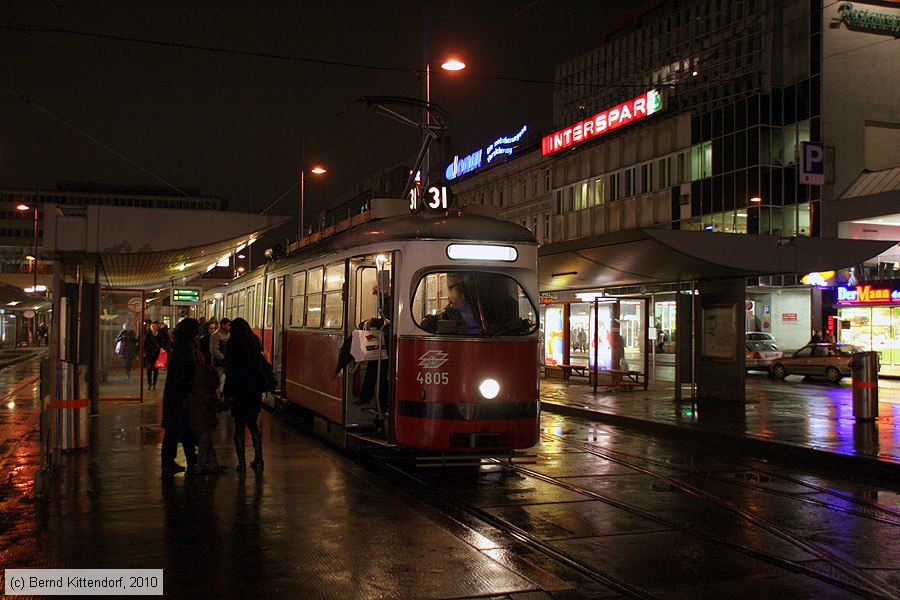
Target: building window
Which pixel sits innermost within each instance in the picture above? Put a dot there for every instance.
(599, 191)
(546, 228)
(662, 173)
(614, 186)
(559, 202)
(547, 180)
(701, 161)
(534, 186)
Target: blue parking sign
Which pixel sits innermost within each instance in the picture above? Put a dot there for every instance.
(812, 163)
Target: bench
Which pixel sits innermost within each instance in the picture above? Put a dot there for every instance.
(625, 379)
(580, 370)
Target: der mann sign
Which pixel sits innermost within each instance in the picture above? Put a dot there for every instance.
(630, 111)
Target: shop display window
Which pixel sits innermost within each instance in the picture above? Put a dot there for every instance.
(552, 334)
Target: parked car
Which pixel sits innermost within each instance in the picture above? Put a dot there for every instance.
(761, 354)
(759, 336)
(831, 361)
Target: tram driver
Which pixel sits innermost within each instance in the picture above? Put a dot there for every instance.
(459, 310)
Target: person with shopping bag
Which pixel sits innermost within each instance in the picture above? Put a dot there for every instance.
(156, 349)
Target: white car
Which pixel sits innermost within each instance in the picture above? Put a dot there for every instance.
(759, 336)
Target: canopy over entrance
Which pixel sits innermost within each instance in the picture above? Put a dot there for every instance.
(143, 248)
(642, 256)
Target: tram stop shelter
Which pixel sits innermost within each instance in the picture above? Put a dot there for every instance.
(106, 258)
(709, 344)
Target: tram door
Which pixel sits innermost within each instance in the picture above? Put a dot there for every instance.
(367, 276)
(277, 290)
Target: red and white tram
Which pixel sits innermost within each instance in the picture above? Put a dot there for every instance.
(445, 385)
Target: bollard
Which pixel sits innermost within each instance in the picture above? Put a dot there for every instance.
(864, 370)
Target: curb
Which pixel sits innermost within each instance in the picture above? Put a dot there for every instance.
(852, 465)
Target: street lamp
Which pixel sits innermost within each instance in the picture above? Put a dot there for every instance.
(33, 257)
(318, 171)
(452, 65)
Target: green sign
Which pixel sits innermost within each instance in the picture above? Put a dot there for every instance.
(869, 21)
(185, 296)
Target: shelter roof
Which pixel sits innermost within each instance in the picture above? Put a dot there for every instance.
(144, 248)
(647, 256)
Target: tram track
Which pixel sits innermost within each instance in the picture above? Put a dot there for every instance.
(867, 510)
(440, 500)
(841, 573)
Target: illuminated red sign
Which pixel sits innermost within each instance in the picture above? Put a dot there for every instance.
(637, 108)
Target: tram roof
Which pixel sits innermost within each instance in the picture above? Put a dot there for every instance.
(451, 226)
(648, 256)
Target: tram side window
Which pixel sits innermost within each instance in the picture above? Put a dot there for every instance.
(298, 298)
(314, 297)
(229, 305)
(270, 302)
(259, 300)
(495, 304)
(334, 290)
(251, 306)
(242, 304)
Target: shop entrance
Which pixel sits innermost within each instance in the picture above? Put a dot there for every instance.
(873, 328)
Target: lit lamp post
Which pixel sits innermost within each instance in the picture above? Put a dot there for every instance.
(449, 65)
(33, 257)
(318, 171)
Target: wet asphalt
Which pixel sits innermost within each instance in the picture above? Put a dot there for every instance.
(597, 509)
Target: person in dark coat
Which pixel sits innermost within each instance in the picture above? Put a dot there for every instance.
(126, 348)
(202, 403)
(243, 387)
(153, 343)
(210, 328)
(179, 381)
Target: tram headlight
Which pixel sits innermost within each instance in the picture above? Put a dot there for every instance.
(489, 388)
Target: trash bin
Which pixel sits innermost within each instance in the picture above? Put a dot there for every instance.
(864, 370)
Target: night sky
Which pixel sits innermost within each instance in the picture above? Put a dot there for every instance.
(231, 123)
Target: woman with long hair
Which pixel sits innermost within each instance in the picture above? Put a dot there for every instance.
(179, 379)
(243, 386)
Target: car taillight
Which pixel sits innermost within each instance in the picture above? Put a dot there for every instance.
(755, 355)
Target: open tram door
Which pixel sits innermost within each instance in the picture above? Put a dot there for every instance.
(367, 398)
(275, 324)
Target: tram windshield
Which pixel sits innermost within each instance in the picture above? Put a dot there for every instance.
(472, 303)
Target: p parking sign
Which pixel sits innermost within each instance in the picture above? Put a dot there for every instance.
(812, 163)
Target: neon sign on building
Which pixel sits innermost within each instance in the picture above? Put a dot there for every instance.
(502, 146)
(867, 294)
(632, 110)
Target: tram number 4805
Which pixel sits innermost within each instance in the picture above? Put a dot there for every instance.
(433, 378)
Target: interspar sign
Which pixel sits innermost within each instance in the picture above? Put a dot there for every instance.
(632, 110)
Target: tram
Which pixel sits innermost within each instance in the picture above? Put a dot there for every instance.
(434, 381)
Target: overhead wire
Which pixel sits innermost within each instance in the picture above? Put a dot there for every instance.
(85, 134)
